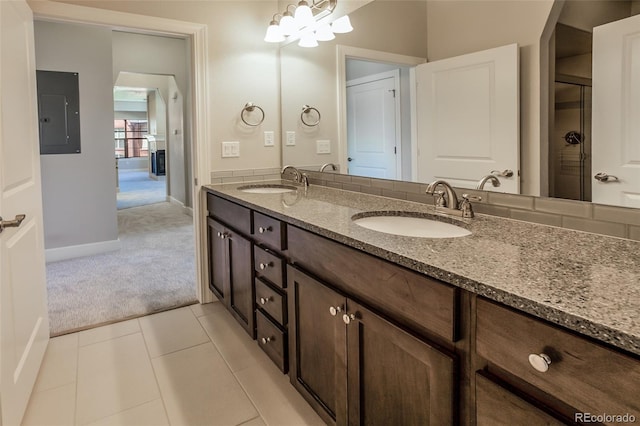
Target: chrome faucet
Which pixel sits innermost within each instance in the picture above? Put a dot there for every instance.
(452, 199)
(298, 176)
(324, 166)
(450, 205)
(494, 181)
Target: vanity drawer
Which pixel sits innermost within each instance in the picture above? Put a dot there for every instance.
(583, 374)
(269, 231)
(272, 340)
(496, 406)
(415, 301)
(272, 302)
(268, 266)
(231, 214)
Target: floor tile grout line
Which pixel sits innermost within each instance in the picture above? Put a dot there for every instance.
(155, 375)
(233, 373)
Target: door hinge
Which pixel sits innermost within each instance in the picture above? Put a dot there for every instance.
(195, 181)
(395, 149)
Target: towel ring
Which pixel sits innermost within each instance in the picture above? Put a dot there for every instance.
(249, 107)
(306, 109)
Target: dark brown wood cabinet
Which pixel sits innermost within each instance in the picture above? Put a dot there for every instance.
(574, 375)
(231, 272)
(357, 368)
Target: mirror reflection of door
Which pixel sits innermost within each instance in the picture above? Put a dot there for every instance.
(373, 126)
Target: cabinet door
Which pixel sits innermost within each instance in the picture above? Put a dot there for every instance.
(241, 290)
(218, 267)
(317, 345)
(395, 378)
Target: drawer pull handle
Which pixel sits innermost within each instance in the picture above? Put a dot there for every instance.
(223, 235)
(266, 340)
(333, 310)
(262, 229)
(540, 362)
(265, 300)
(347, 318)
(264, 266)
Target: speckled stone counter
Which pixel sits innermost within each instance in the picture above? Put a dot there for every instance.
(585, 282)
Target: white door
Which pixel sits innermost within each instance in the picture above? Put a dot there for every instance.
(24, 325)
(468, 118)
(373, 129)
(616, 108)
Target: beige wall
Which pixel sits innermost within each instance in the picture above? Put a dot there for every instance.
(309, 76)
(242, 68)
(459, 27)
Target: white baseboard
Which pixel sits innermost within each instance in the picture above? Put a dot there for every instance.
(186, 210)
(72, 252)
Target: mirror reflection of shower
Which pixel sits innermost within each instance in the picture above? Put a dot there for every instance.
(570, 141)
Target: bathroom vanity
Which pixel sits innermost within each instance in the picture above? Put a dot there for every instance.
(517, 323)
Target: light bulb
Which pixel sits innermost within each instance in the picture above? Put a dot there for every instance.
(303, 14)
(308, 40)
(274, 33)
(288, 24)
(324, 33)
(342, 25)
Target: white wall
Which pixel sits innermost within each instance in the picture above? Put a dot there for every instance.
(79, 191)
(242, 68)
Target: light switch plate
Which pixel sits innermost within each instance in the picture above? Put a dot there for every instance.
(323, 146)
(269, 138)
(230, 149)
(291, 138)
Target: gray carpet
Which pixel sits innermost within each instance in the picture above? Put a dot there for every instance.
(153, 271)
(138, 189)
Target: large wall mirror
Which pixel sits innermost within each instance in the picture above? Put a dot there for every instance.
(372, 70)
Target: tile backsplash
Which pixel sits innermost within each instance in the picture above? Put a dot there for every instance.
(614, 221)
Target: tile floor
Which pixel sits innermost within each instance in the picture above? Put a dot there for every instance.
(190, 366)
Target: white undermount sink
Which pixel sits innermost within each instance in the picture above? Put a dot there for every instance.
(409, 224)
(267, 189)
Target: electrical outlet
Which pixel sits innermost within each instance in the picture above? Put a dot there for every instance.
(269, 138)
(323, 147)
(230, 149)
(291, 138)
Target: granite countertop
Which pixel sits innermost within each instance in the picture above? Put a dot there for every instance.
(585, 282)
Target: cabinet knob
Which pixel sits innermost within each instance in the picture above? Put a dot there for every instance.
(266, 340)
(333, 310)
(262, 229)
(265, 300)
(540, 362)
(264, 266)
(347, 318)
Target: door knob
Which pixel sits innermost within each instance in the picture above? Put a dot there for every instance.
(604, 177)
(347, 318)
(333, 310)
(540, 362)
(11, 223)
(349, 159)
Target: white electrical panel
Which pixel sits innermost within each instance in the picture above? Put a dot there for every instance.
(291, 138)
(269, 138)
(230, 149)
(323, 147)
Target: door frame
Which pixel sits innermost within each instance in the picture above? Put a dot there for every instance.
(349, 52)
(395, 74)
(197, 35)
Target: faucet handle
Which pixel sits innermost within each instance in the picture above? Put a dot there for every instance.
(465, 205)
(440, 201)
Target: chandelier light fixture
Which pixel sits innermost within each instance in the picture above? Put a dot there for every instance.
(303, 23)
